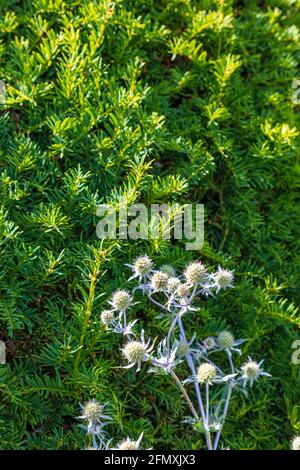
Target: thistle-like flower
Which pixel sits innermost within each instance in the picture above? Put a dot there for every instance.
(92, 412)
(107, 317)
(130, 444)
(183, 291)
(295, 444)
(251, 371)
(141, 267)
(159, 281)
(227, 342)
(137, 352)
(209, 343)
(121, 300)
(173, 284)
(194, 273)
(206, 374)
(222, 279)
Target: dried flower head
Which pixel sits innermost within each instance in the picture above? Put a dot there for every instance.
(194, 272)
(168, 269)
(121, 300)
(107, 317)
(295, 444)
(206, 373)
(226, 340)
(159, 281)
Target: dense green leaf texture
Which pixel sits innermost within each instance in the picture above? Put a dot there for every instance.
(154, 101)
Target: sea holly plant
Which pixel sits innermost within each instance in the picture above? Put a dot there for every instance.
(176, 296)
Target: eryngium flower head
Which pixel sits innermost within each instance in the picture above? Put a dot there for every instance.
(142, 265)
(136, 352)
(159, 281)
(194, 272)
(226, 340)
(295, 445)
(168, 269)
(173, 283)
(130, 444)
(251, 371)
(107, 317)
(206, 373)
(209, 343)
(223, 279)
(121, 300)
(183, 291)
(92, 410)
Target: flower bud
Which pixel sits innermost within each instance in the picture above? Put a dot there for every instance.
(226, 340)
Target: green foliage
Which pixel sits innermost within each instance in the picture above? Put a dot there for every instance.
(176, 100)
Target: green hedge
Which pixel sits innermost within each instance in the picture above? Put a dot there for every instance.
(154, 101)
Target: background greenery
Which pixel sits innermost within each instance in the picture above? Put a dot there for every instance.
(155, 101)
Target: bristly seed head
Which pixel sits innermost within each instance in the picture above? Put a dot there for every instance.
(295, 445)
(134, 351)
(142, 265)
(226, 340)
(206, 373)
(159, 281)
(121, 300)
(194, 272)
(107, 317)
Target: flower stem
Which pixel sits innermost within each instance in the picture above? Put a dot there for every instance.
(229, 392)
(181, 387)
(197, 388)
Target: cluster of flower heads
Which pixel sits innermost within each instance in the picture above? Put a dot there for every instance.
(96, 420)
(175, 296)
